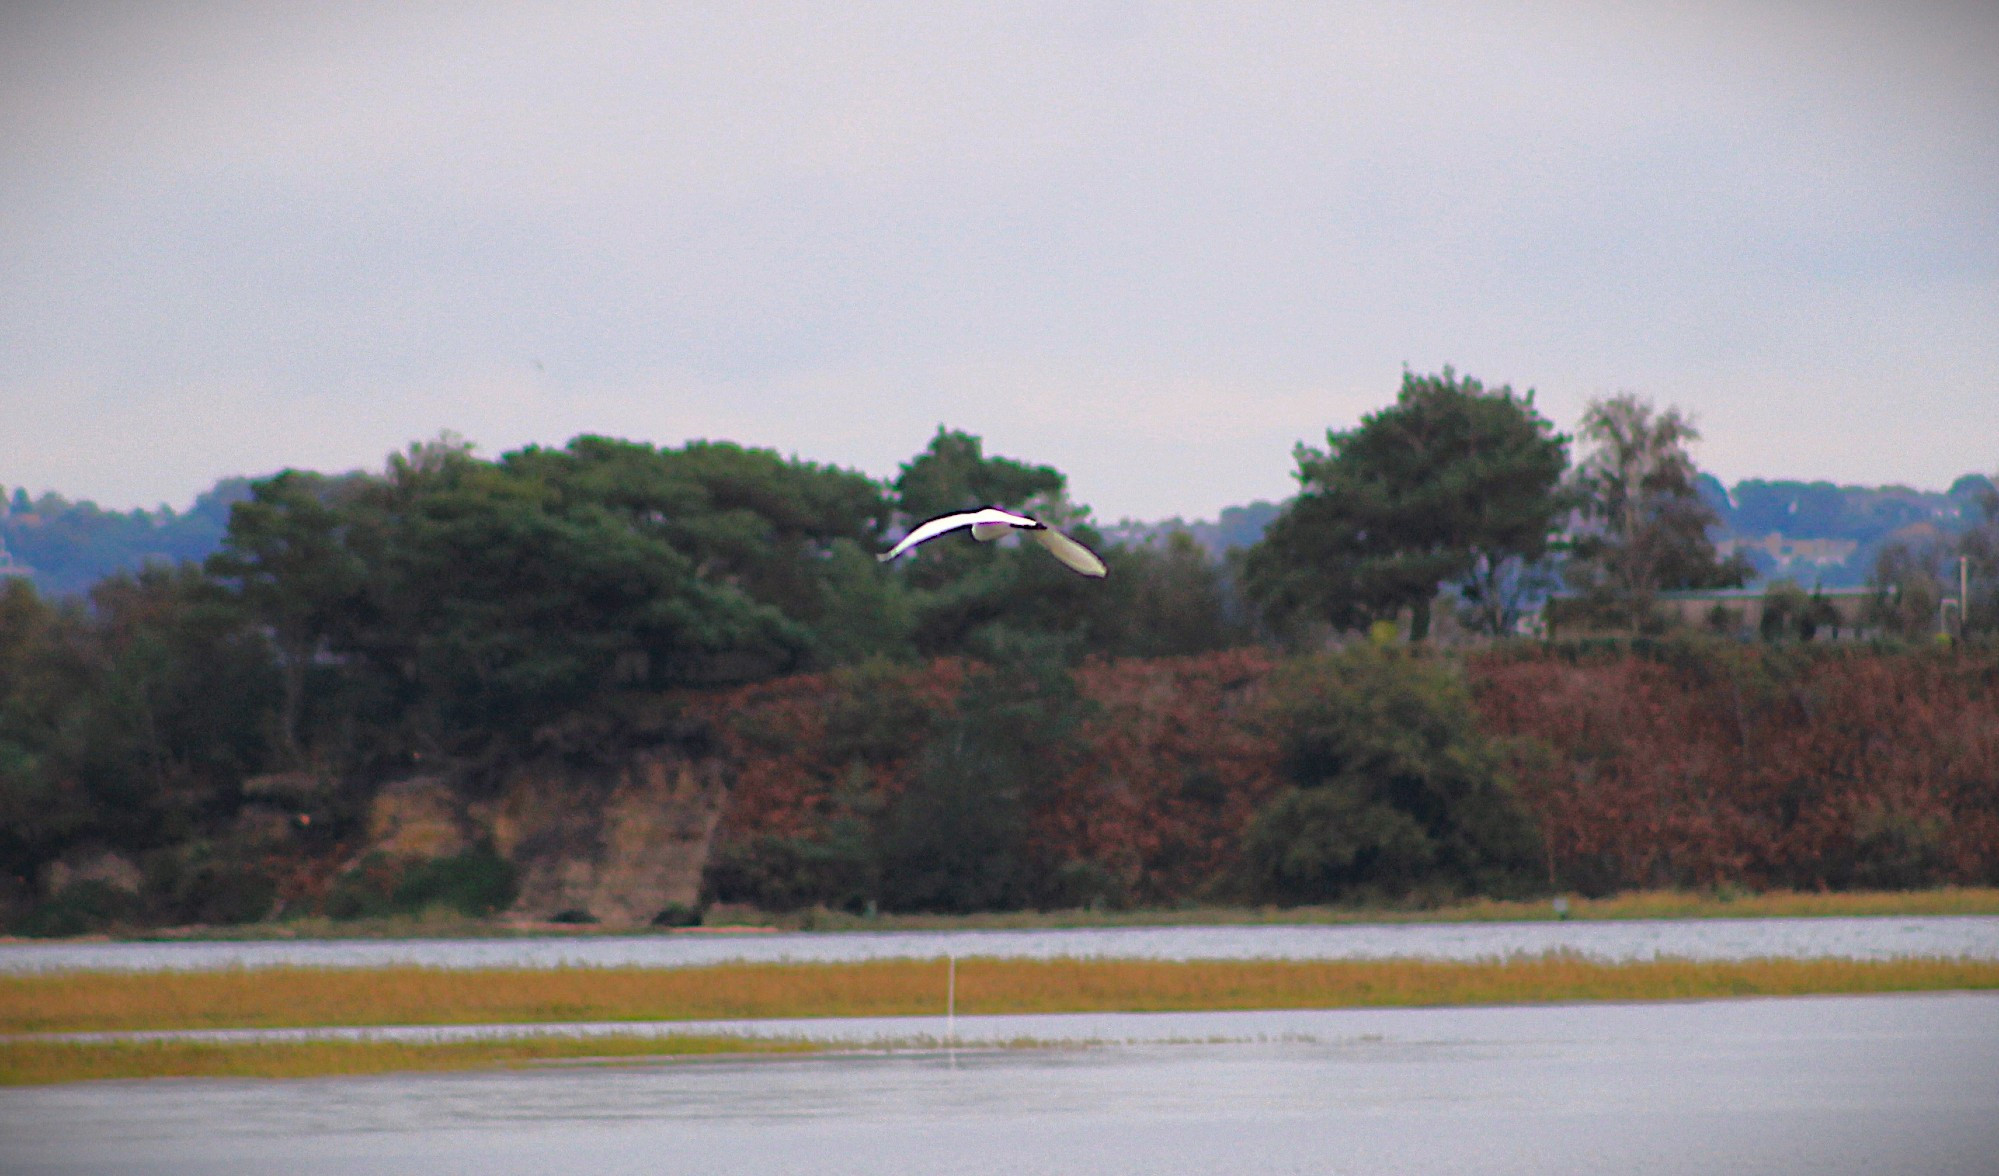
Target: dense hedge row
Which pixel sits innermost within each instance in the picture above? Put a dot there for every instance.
(1023, 780)
(1369, 774)
(1704, 763)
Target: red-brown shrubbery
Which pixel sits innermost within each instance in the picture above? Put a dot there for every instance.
(1708, 763)
(1169, 760)
(1175, 760)
(1699, 764)
(796, 742)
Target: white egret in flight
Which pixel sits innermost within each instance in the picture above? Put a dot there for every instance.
(991, 523)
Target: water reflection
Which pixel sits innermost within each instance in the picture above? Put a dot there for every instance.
(1975, 936)
(1828, 1085)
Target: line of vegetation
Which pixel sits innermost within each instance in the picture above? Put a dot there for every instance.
(280, 998)
(1719, 903)
(1723, 903)
(395, 690)
(39, 1063)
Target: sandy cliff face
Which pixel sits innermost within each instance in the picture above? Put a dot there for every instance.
(619, 844)
(420, 817)
(92, 866)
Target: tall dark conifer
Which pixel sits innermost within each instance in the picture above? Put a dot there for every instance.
(1454, 483)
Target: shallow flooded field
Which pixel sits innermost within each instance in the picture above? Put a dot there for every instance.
(1777, 1085)
(1972, 936)
(1818, 1084)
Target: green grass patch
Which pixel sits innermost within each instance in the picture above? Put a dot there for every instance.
(1649, 904)
(441, 922)
(32, 1063)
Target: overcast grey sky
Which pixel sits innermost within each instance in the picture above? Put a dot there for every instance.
(1154, 245)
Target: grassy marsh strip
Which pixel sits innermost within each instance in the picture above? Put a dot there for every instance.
(36, 1063)
(269, 998)
(1645, 904)
(1648, 904)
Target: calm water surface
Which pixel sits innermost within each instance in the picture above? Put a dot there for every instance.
(1975, 936)
(1831, 1085)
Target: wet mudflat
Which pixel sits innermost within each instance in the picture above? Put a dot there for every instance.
(1875, 937)
(1816, 1084)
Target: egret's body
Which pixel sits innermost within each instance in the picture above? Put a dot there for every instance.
(992, 522)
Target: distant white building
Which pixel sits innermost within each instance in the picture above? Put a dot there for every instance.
(1741, 609)
(1732, 611)
(1789, 553)
(7, 565)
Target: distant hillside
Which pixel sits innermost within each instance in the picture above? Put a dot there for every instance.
(1811, 532)
(1819, 532)
(1238, 526)
(65, 547)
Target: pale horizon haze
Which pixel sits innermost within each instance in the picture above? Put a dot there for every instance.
(1153, 245)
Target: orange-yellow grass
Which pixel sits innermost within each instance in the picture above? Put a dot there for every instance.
(1636, 904)
(28, 1063)
(1674, 904)
(295, 997)
(1644, 904)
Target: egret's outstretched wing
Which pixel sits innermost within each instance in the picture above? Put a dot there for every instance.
(1075, 555)
(943, 524)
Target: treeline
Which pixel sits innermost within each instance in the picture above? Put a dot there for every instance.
(66, 546)
(1365, 775)
(201, 742)
(69, 546)
(1697, 762)
(459, 613)
(1870, 519)
(1865, 514)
